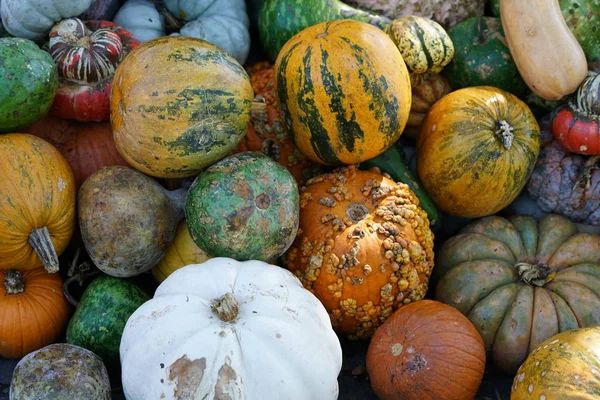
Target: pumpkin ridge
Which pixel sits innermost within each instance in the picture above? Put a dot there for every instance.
(568, 301)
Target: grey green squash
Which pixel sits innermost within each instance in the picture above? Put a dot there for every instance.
(28, 82)
(101, 314)
(60, 371)
(482, 57)
(244, 207)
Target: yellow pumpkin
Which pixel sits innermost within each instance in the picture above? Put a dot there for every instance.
(476, 150)
(37, 203)
(183, 251)
(344, 91)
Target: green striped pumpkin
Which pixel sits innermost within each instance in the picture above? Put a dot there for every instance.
(423, 43)
(344, 91)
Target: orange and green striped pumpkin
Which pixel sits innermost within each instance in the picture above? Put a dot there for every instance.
(178, 105)
(344, 91)
(476, 150)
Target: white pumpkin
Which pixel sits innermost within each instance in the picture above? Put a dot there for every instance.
(33, 19)
(230, 329)
(221, 22)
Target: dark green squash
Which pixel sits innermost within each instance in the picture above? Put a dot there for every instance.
(28, 82)
(245, 207)
(101, 314)
(482, 57)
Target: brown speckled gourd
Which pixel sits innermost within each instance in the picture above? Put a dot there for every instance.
(60, 371)
(364, 247)
(127, 220)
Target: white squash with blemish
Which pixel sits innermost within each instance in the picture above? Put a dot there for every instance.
(226, 329)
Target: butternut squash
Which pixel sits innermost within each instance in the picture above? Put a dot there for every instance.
(548, 56)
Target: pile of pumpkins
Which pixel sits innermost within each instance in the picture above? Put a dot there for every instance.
(416, 175)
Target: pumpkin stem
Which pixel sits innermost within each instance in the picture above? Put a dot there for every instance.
(14, 282)
(585, 176)
(172, 23)
(39, 239)
(505, 133)
(226, 307)
(535, 275)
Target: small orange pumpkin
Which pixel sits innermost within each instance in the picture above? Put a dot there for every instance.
(426, 350)
(364, 247)
(33, 311)
(37, 203)
(424, 95)
(267, 132)
(183, 251)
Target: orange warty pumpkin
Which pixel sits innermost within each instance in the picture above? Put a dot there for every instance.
(37, 203)
(426, 350)
(86, 146)
(364, 247)
(33, 311)
(266, 131)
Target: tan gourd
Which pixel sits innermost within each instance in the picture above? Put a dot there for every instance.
(548, 56)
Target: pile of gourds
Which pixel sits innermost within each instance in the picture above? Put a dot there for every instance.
(381, 153)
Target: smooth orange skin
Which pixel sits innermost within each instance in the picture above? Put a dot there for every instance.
(37, 189)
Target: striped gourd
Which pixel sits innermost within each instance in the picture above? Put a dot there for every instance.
(423, 43)
(344, 91)
(178, 105)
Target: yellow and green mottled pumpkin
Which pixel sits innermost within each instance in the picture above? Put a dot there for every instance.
(566, 366)
(424, 44)
(344, 91)
(178, 105)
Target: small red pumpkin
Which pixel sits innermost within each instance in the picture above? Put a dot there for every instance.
(86, 54)
(426, 350)
(86, 146)
(576, 124)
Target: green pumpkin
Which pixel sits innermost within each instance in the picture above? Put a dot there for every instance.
(101, 314)
(583, 19)
(28, 82)
(482, 57)
(244, 207)
(280, 20)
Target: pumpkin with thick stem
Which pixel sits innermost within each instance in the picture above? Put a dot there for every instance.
(33, 311)
(576, 125)
(267, 132)
(520, 281)
(476, 150)
(565, 366)
(37, 203)
(86, 146)
(344, 91)
(414, 348)
(86, 54)
(565, 183)
(364, 247)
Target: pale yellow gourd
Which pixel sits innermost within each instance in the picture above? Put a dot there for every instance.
(547, 55)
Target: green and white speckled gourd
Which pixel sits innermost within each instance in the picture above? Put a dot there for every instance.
(224, 23)
(33, 19)
(446, 12)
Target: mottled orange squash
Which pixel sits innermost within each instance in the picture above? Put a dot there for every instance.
(178, 105)
(364, 247)
(37, 203)
(344, 91)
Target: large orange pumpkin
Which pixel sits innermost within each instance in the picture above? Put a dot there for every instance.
(364, 247)
(178, 105)
(344, 91)
(86, 146)
(426, 350)
(476, 150)
(33, 311)
(266, 131)
(37, 203)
